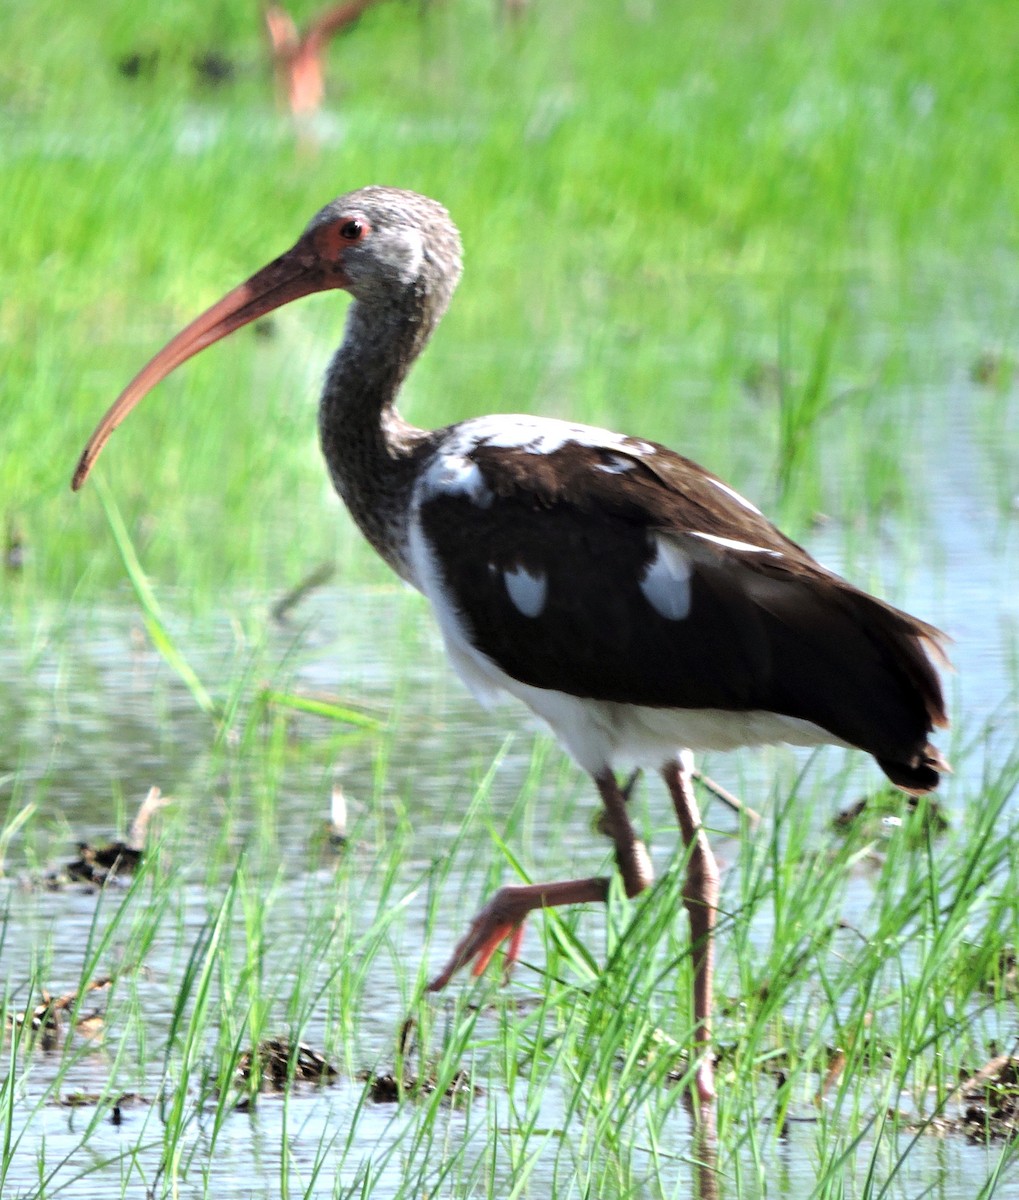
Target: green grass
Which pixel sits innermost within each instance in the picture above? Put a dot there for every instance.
(655, 204)
(577, 1066)
(779, 237)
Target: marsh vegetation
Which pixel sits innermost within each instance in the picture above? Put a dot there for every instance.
(779, 238)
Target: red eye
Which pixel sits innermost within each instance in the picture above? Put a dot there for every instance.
(331, 239)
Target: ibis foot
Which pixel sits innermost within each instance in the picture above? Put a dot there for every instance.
(504, 915)
(503, 918)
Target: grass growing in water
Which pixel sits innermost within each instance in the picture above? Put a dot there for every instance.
(840, 1039)
(777, 239)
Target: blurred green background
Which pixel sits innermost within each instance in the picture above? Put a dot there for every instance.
(754, 231)
(780, 236)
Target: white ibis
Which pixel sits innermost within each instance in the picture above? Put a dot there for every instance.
(632, 600)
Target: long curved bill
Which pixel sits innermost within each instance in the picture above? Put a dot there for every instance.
(297, 273)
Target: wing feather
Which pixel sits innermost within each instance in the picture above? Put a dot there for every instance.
(579, 527)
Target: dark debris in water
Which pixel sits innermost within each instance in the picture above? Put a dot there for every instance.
(1003, 979)
(990, 1100)
(93, 1099)
(889, 813)
(384, 1089)
(47, 1020)
(280, 1062)
(97, 866)
(389, 1088)
(100, 864)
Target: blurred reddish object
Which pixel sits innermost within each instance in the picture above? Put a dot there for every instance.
(297, 58)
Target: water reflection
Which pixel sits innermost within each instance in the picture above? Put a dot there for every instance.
(704, 1153)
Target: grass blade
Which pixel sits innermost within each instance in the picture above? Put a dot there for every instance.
(151, 612)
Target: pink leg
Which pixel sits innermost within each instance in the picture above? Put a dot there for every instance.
(700, 895)
(503, 916)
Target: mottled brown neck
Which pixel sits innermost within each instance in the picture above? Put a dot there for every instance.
(373, 454)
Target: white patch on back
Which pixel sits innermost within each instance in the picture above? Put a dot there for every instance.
(615, 464)
(666, 580)
(528, 592)
(732, 544)
(451, 473)
(741, 500)
(537, 435)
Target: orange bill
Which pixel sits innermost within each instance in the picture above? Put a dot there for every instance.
(299, 272)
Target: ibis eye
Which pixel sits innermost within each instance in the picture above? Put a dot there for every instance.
(351, 231)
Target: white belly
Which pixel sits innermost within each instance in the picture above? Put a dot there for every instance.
(602, 734)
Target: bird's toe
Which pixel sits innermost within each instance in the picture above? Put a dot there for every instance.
(502, 918)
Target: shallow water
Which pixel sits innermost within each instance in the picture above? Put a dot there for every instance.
(91, 717)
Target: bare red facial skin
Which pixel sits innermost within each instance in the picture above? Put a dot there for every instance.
(314, 264)
(331, 240)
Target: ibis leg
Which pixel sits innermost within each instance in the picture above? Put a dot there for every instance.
(632, 857)
(503, 916)
(700, 895)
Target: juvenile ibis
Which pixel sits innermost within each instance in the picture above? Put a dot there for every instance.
(632, 600)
